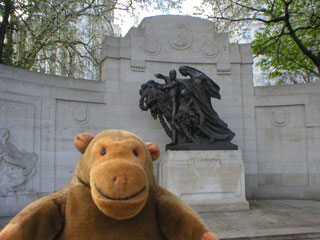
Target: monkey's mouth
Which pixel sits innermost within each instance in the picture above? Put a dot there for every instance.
(119, 199)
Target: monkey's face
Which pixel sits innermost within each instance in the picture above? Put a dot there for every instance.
(118, 167)
(118, 180)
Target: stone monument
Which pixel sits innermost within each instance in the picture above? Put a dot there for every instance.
(158, 45)
(201, 164)
(277, 128)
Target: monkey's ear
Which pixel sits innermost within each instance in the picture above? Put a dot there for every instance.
(82, 141)
(154, 150)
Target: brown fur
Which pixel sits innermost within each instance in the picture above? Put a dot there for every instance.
(113, 195)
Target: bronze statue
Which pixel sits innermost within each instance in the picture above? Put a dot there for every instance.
(172, 86)
(184, 109)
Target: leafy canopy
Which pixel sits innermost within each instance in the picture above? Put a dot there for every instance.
(290, 39)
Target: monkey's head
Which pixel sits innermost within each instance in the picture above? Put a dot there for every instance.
(117, 165)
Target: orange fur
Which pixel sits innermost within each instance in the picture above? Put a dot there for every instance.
(11, 232)
(82, 141)
(154, 150)
(210, 236)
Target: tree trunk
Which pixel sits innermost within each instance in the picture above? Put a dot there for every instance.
(318, 64)
(8, 8)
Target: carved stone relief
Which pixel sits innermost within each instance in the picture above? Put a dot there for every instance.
(152, 46)
(209, 50)
(279, 117)
(81, 114)
(223, 72)
(16, 167)
(180, 37)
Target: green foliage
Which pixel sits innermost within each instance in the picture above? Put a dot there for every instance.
(283, 58)
(289, 42)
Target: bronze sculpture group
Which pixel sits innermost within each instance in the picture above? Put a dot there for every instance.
(183, 106)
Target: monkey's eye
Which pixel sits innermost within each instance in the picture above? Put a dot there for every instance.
(135, 153)
(103, 151)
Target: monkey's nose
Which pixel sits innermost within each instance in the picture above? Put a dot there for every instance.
(120, 181)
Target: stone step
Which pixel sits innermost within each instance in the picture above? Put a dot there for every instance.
(300, 236)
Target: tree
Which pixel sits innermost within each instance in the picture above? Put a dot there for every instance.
(53, 36)
(57, 36)
(290, 39)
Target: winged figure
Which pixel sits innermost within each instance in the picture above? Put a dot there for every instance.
(202, 89)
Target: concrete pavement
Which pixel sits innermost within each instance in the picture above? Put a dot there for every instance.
(266, 220)
(269, 219)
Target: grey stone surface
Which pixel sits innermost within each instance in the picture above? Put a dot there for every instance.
(288, 133)
(209, 181)
(269, 219)
(43, 114)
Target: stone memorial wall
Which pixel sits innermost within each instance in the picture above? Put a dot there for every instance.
(163, 43)
(277, 128)
(39, 117)
(288, 140)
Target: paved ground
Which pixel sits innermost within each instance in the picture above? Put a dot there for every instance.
(269, 219)
(3, 222)
(266, 220)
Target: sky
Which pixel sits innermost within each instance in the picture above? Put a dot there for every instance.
(126, 21)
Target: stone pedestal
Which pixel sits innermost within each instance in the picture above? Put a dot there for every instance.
(209, 181)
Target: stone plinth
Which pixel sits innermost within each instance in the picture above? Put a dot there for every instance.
(209, 181)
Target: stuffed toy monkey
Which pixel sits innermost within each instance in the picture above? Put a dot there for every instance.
(113, 195)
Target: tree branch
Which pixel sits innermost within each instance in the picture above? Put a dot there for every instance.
(296, 39)
(251, 8)
(275, 20)
(301, 65)
(265, 44)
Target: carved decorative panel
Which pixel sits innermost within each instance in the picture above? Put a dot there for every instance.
(16, 166)
(180, 37)
(72, 118)
(279, 117)
(17, 150)
(209, 50)
(81, 114)
(281, 143)
(152, 46)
